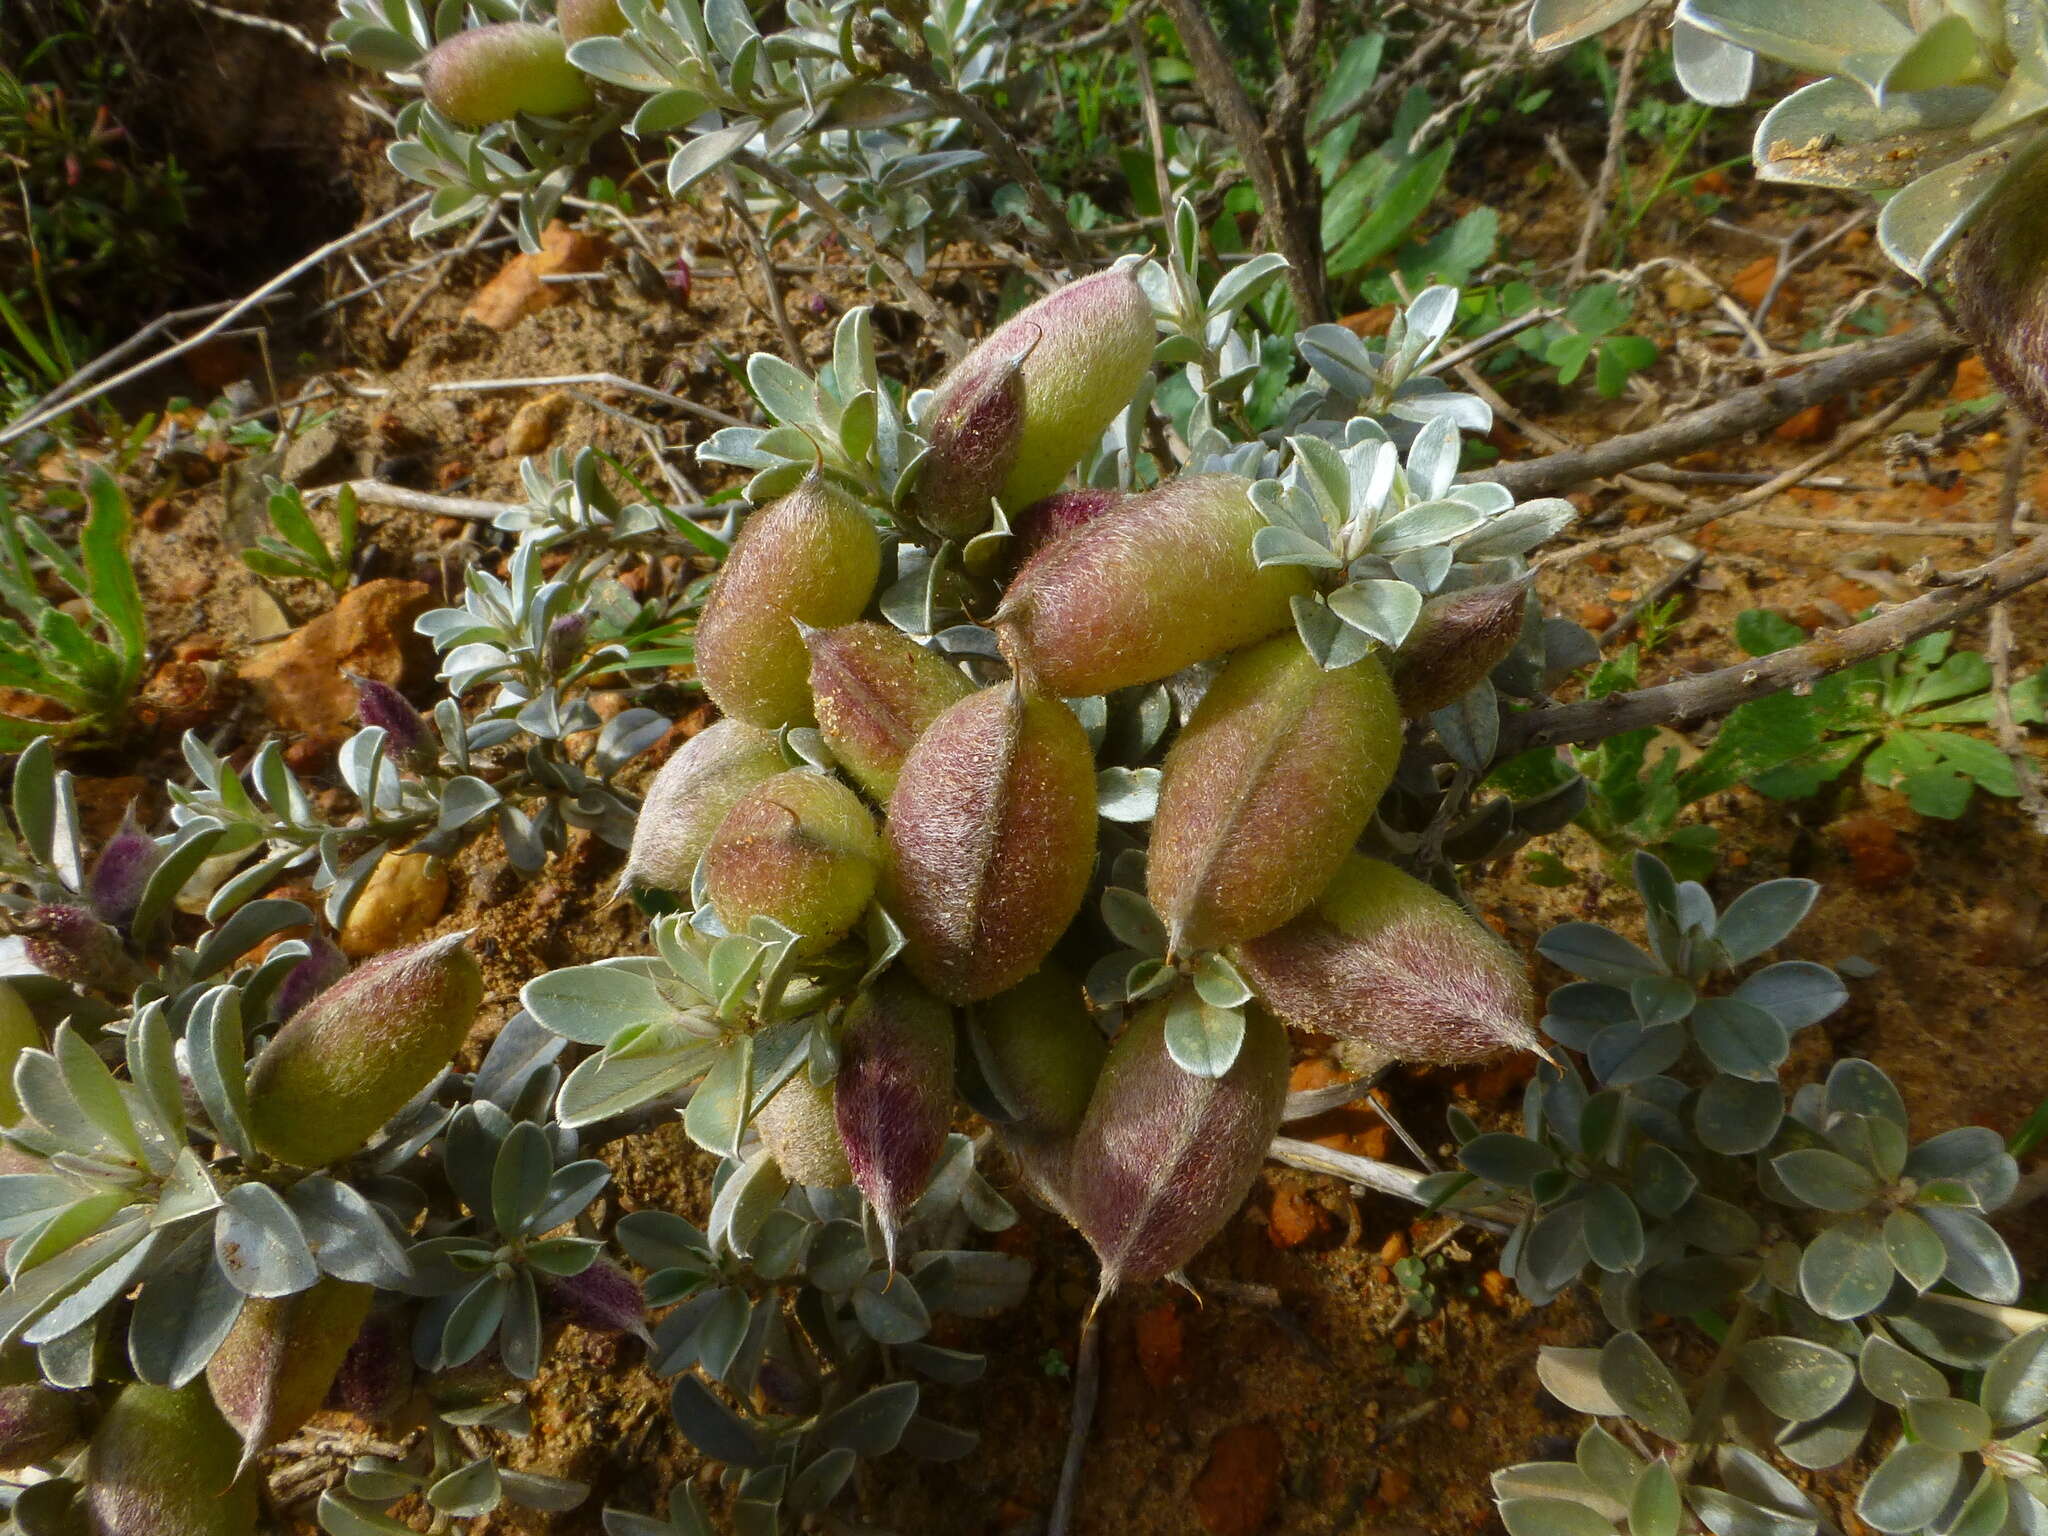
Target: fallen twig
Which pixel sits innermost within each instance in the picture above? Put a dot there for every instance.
(1610, 165)
(1627, 619)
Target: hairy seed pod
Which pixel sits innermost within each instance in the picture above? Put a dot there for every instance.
(487, 74)
(875, 690)
(800, 1128)
(1163, 1157)
(799, 848)
(1385, 959)
(1458, 638)
(1062, 512)
(1271, 782)
(812, 557)
(37, 1422)
(275, 1367)
(408, 743)
(351, 1058)
(1163, 580)
(991, 841)
(589, 18)
(602, 1298)
(121, 873)
(72, 945)
(323, 966)
(163, 1463)
(18, 1032)
(690, 796)
(1038, 1052)
(893, 1097)
(2001, 288)
(1019, 411)
(377, 1372)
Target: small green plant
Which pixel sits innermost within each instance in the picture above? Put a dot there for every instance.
(85, 669)
(299, 551)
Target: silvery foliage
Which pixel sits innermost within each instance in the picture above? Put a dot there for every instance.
(1939, 103)
(506, 760)
(1850, 1268)
(448, 1470)
(713, 85)
(786, 1299)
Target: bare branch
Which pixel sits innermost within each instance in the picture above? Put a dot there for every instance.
(1610, 167)
(1692, 699)
(1757, 409)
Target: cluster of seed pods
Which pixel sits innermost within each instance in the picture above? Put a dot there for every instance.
(967, 808)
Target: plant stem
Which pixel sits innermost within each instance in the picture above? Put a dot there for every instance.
(1706, 1417)
(1087, 1387)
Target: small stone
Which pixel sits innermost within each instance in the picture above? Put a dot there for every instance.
(517, 291)
(1396, 1484)
(1237, 1489)
(1460, 1418)
(300, 682)
(317, 456)
(1754, 281)
(534, 425)
(1295, 1218)
(1684, 295)
(404, 896)
(1877, 861)
(1808, 426)
(1595, 616)
(1497, 1286)
(1395, 1248)
(196, 648)
(1159, 1339)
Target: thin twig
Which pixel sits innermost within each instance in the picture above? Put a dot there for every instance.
(1628, 618)
(1087, 1387)
(283, 29)
(1155, 121)
(433, 284)
(607, 380)
(378, 493)
(1710, 694)
(764, 263)
(1926, 530)
(856, 238)
(71, 402)
(2025, 770)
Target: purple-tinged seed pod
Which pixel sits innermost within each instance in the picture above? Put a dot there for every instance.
(1061, 512)
(37, 1422)
(1163, 1158)
(875, 691)
(72, 945)
(164, 1463)
(376, 1374)
(565, 640)
(589, 18)
(690, 796)
(352, 1057)
(121, 872)
(323, 966)
(487, 74)
(603, 1298)
(2001, 287)
(407, 741)
(801, 849)
(1019, 411)
(893, 1096)
(1385, 959)
(800, 1129)
(275, 1367)
(1458, 638)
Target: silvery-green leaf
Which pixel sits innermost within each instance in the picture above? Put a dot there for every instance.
(2015, 1389)
(1915, 1248)
(469, 1490)
(1614, 1229)
(1385, 610)
(1599, 954)
(1950, 1423)
(1740, 1038)
(1709, 70)
(472, 1320)
(754, 1189)
(134, 1245)
(182, 1315)
(1911, 1486)
(188, 1191)
(1795, 1378)
(1560, 23)
(1219, 983)
(1857, 1087)
(1795, 992)
(1897, 1376)
(1655, 1508)
(705, 153)
(259, 1244)
(1979, 1263)
(591, 1003)
(1127, 794)
(889, 1309)
(463, 800)
(1763, 916)
(1944, 53)
(1845, 1272)
(1833, 134)
(1825, 40)
(340, 1515)
(714, 1429)
(601, 1087)
(1276, 544)
(1923, 220)
(819, 1481)
(1645, 1387)
(1203, 1039)
(1831, 1439)
(1470, 728)
(1552, 1517)
(1444, 521)
(213, 1050)
(94, 1090)
(717, 1113)
(872, 1423)
(1572, 1376)
(1972, 1155)
(1825, 1180)
(39, 1085)
(350, 1238)
(1736, 1116)
(533, 1490)
(1333, 643)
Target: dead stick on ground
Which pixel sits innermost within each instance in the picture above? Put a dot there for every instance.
(736, 204)
(1756, 409)
(2025, 770)
(1610, 167)
(1692, 699)
(58, 407)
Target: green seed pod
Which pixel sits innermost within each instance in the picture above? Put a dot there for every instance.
(1163, 581)
(812, 557)
(579, 19)
(1271, 782)
(487, 74)
(799, 848)
(1019, 411)
(893, 1097)
(1038, 1053)
(273, 1370)
(1458, 638)
(164, 1463)
(1163, 1157)
(991, 841)
(802, 1134)
(352, 1057)
(690, 796)
(2001, 288)
(1385, 959)
(37, 1422)
(875, 691)
(18, 1033)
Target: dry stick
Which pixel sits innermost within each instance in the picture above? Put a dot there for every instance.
(1002, 148)
(736, 204)
(1756, 409)
(1627, 619)
(561, 380)
(856, 238)
(1889, 530)
(1087, 1387)
(283, 29)
(1845, 441)
(2025, 770)
(71, 402)
(1709, 694)
(1280, 212)
(1610, 167)
(433, 284)
(378, 493)
(1155, 121)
